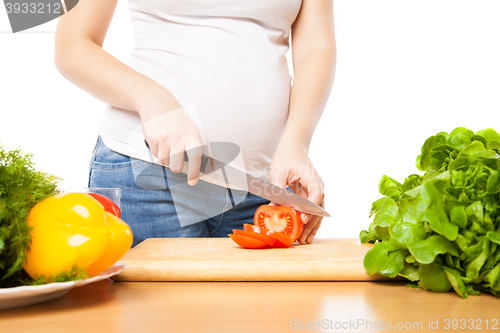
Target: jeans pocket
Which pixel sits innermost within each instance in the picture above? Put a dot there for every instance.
(105, 158)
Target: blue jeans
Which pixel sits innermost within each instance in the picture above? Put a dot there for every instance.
(148, 193)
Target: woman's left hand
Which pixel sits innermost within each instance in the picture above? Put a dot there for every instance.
(292, 167)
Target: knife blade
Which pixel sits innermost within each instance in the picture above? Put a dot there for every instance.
(224, 152)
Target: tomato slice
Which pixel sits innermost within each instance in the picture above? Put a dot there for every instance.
(282, 219)
(272, 242)
(247, 242)
(283, 240)
(252, 227)
(107, 203)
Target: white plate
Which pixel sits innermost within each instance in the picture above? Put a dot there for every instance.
(27, 295)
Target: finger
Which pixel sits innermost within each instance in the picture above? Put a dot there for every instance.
(313, 221)
(194, 152)
(307, 229)
(296, 188)
(153, 146)
(176, 159)
(315, 192)
(299, 190)
(305, 217)
(314, 189)
(313, 232)
(311, 189)
(164, 153)
(316, 227)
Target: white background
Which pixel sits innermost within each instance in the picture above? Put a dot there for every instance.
(405, 70)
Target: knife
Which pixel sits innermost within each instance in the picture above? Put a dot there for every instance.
(225, 152)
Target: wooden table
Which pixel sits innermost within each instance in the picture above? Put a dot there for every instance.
(108, 306)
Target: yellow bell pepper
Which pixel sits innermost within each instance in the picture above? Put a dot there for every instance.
(73, 230)
(119, 241)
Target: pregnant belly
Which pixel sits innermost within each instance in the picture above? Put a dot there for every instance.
(241, 102)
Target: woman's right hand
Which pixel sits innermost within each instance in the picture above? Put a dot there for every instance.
(170, 132)
(79, 57)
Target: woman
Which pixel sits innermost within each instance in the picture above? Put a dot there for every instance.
(201, 72)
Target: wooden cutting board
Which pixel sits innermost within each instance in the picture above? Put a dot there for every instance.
(220, 259)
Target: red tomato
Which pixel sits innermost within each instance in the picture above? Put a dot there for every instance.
(280, 219)
(247, 242)
(283, 240)
(272, 242)
(107, 203)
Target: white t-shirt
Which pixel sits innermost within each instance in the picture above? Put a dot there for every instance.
(224, 61)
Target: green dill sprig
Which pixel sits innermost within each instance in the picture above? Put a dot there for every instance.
(21, 187)
(75, 274)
